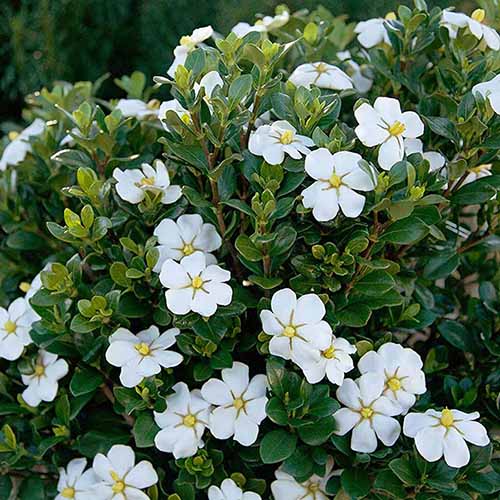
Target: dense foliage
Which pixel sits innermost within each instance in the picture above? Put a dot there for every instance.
(302, 242)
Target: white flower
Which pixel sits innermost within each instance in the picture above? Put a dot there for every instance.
(455, 21)
(229, 490)
(242, 29)
(136, 108)
(187, 44)
(439, 433)
(183, 422)
(490, 90)
(273, 141)
(274, 22)
(297, 327)
(478, 172)
(15, 326)
(334, 362)
(287, 488)
(373, 32)
(362, 83)
(368, 413)
(436, 160)
(323, 75)
(43, 382)
(401, 369)
(120, 477)
(385, 124)
(133, 184)
(336, 177)
(74, 483)
(36, 283)
(183, 237)
(208, 82)
(142, 355)
(175, 106)
(16, 151)
(194, 286)
(240, 404)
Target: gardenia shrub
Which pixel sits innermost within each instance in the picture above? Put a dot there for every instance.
(280, 283)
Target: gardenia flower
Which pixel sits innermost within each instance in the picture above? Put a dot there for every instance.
(373, 32)
(478, 172)
(297, 327)
(445, 432)
(273, 141)
(490, 90)
(142, 355)
(43, 382)
(334, 362)
(183, 422)
(368, 413)
(385, 124)
(229, 490)
(188, 43)
(242, 29)
(183, 237)
(401, 369)
(240, 404)
(15, 326)
(454, 21)
(137, 108)
(175, 106)
(336, 177)
(208, 82)
(274, 22)
(361, 82)
(436, 160)
(195, 286)
(120, 477)
(322, 75)
(74, 483)
(16, 151)
(133, 184)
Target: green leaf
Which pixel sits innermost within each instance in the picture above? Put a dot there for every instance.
(277, 446)
(265, 282)
(32, 488)
(405, 471)
(5, 486)
(375, 283)
(354, 315)
(317, 433)
(239, 89)
(387, 483)
(457, 335)
(145, 430)
(23, 240)
(355, 483)
(85, 380)
(476, 192)
(72, 158)
(443, 127)
(247, 248)
(405, 231)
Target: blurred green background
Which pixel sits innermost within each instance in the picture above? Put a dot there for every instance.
(46, 40)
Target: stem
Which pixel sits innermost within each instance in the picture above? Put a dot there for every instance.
(110, 396)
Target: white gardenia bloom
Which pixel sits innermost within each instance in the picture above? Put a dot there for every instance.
(133, 183)
(187, 44)
(401, 369)
(183, 237)
(274, 140)
(175, 106)
(337, 178)
(367, 412)
(43, 382)
(229, 490)
(385, 124)
(274, 22)
(120, 478)
(75, 482)
(183, 423)
(454, 21)
(15, 326)
(208, 82)
(445, 432)
(195, 286)
(322, 75)
(15, 152)
(478, 172)
(240, 404)
(334, 362)
(373, 32)
(242, 29)
(142, 355)
(362, 83)
(490, 90)
(297, 327)
(436, 160)
(136, 108)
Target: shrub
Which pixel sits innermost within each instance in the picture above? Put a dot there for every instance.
(283, 281)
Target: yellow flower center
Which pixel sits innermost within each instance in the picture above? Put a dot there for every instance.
(238, 403)
(447, 418)
(197, 282)
(147, 181)
(478, 15)
(24, 287)
(186, 118)
(118, 487)
(187, 249)
(186, 40)
(290, 331)
(286, 137)
(39, 370)
(391, 16)
(397, 128)
(189, 420)
(9, 326)
(394, 384)
(143, 348)
(68, 493)
(481, 168)
(335, 181)
(13, 135)
(321, 68)
(313, 488)
(153, 104)
(366, 412)
(329, 353)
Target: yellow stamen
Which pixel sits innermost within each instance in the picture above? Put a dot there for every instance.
(286, 137)
(153, 104)
(447, 418)
(24, 286)
(391, 16)
(478, 15)
(335, 181)
(68, 493)
(13, 135)
(321, 68)
(397, 128)
(118, 487)
(147, 181)
(197, 282)
(313, 488)
(187, 249)
(186, 118)
(366, 412)
(329, 353)
(39, 370)
(290, 331)
(9, 326)
(394, 384)
(238, 403)
(189, 420)
(186, 40)
(143, 348)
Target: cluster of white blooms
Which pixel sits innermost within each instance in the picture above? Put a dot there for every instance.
(233, 406)
(114, 476)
